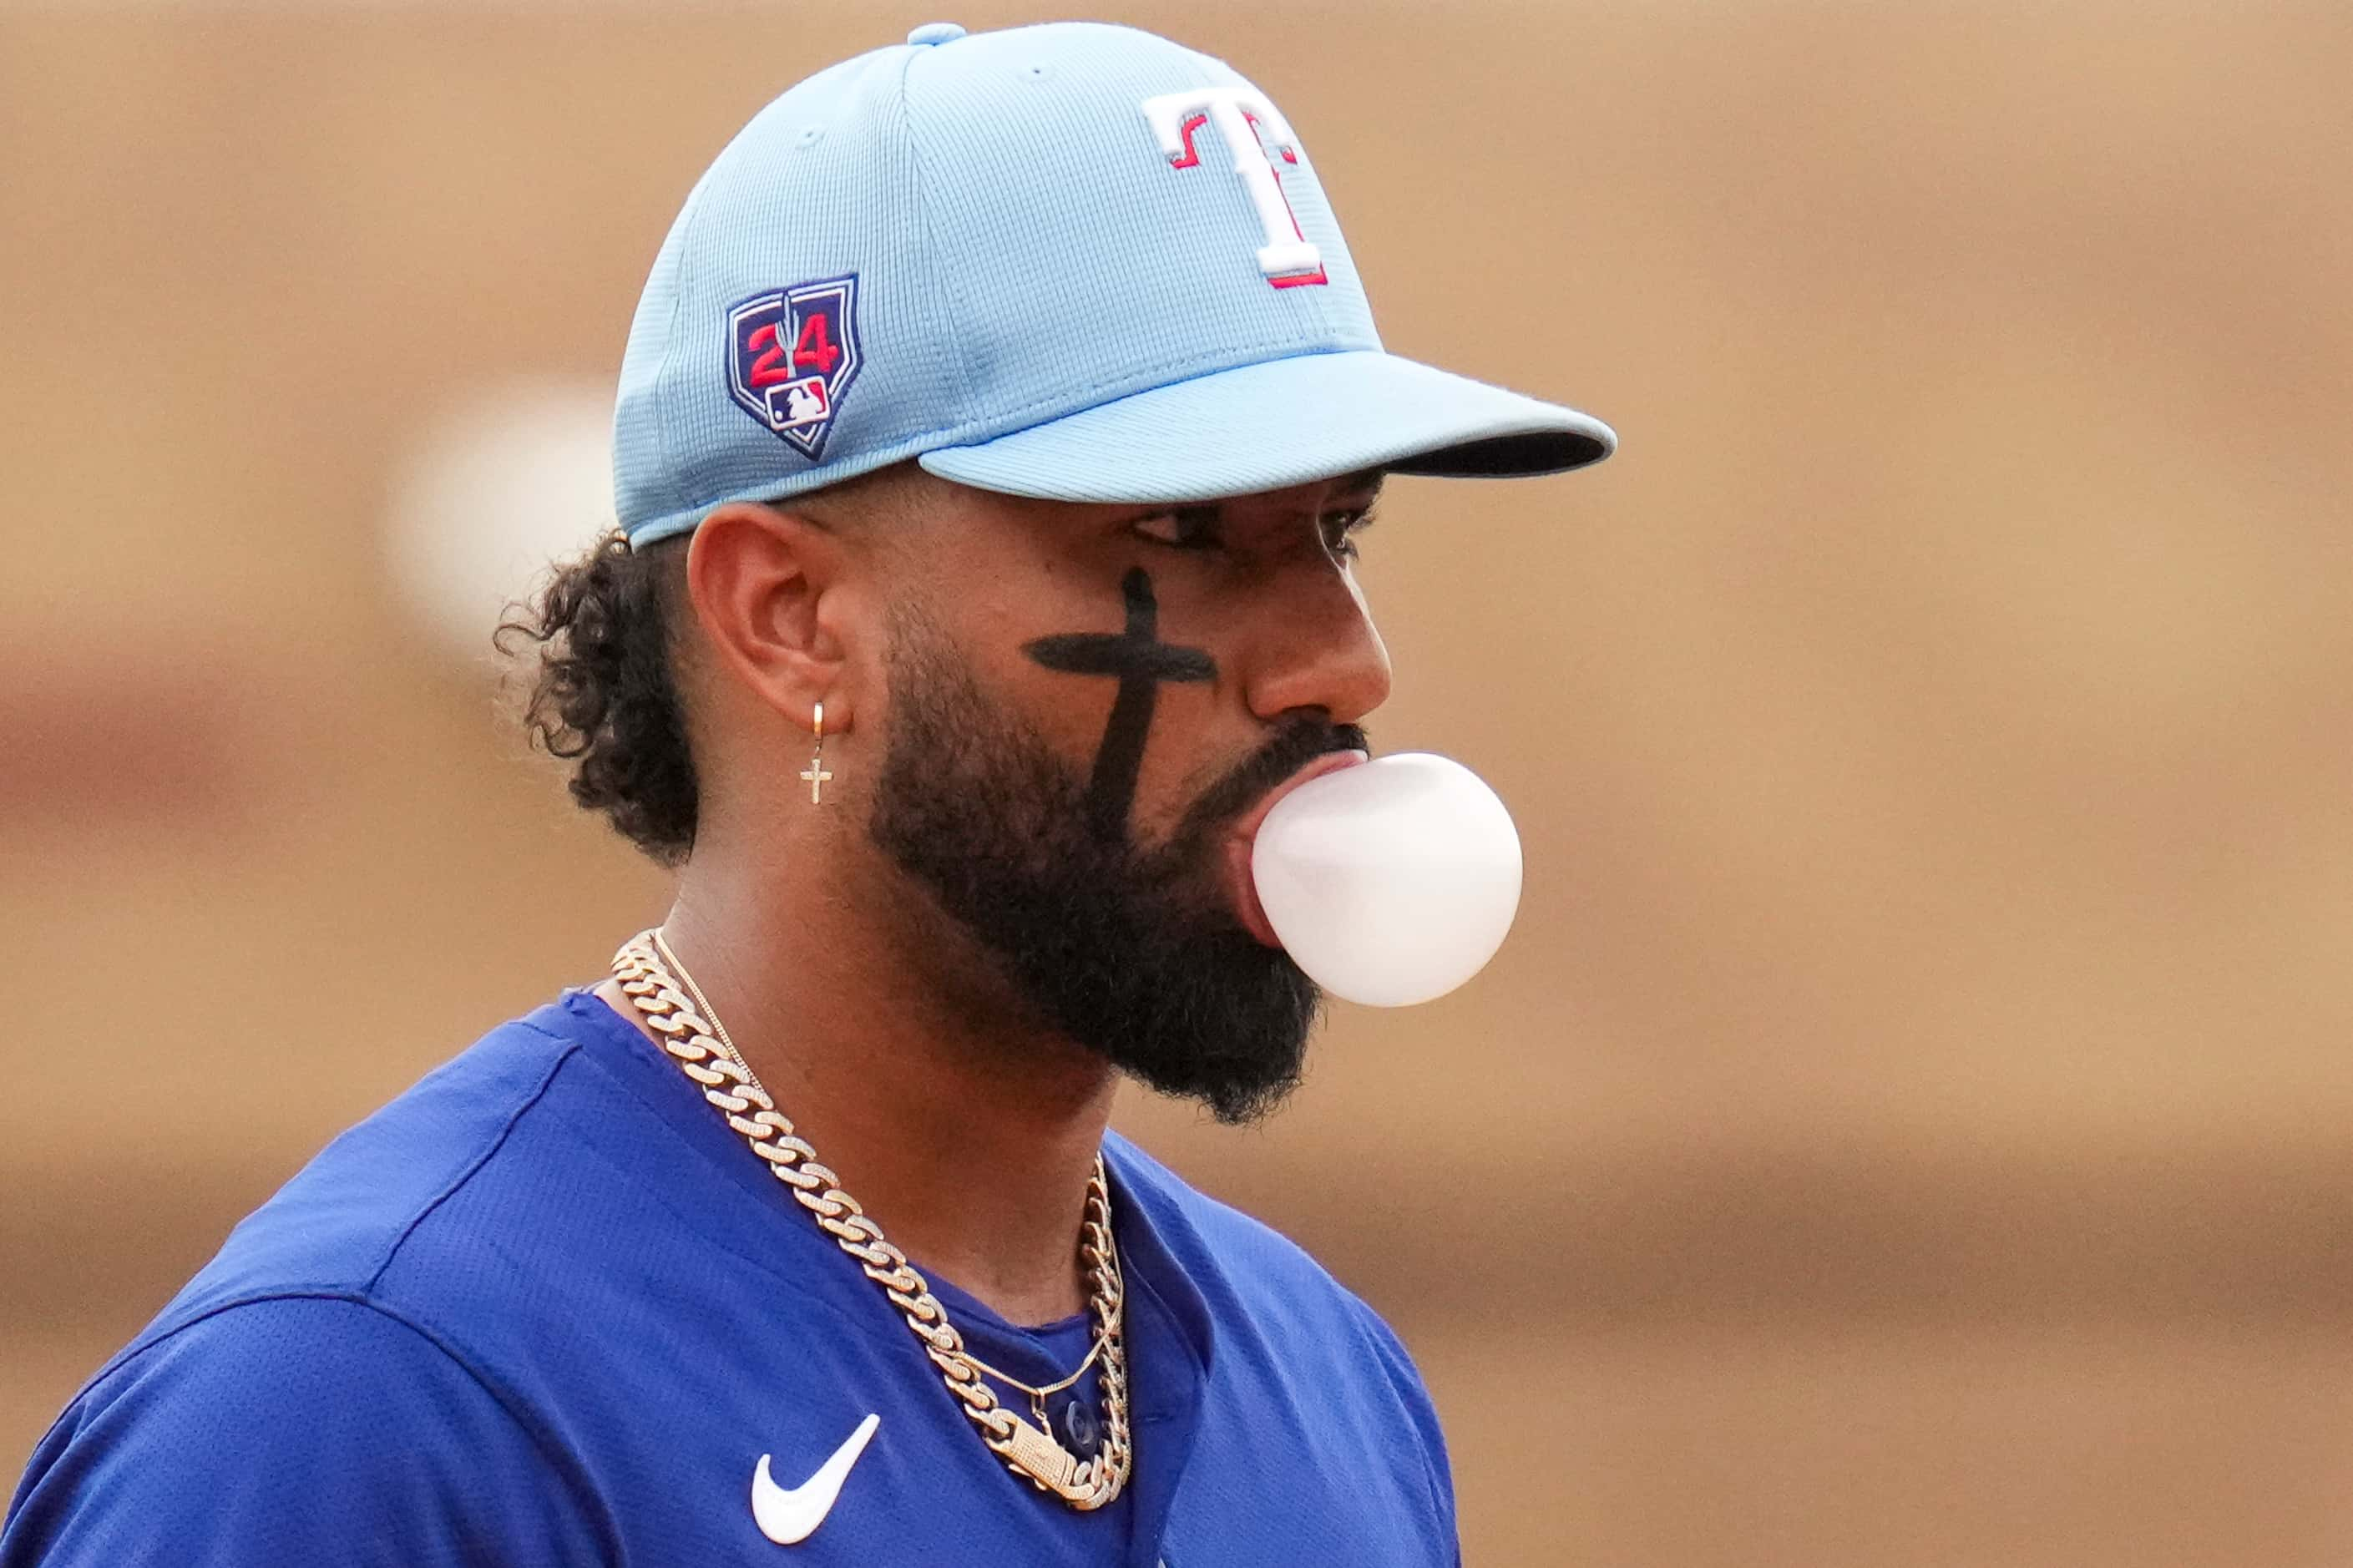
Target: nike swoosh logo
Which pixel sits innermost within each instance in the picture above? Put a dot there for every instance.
(789, 1516)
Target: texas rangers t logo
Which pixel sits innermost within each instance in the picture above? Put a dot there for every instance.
(792, 353)
(1241, 116)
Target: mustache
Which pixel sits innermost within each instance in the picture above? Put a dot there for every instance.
(1298, 743)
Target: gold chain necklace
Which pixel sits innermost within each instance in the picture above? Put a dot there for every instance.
(1038, 1395)
(673, 1007)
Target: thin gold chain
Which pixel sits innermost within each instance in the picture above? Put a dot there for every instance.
(1037, 1393)
(674, 1008)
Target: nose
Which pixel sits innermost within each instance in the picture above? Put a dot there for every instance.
(1317, 647)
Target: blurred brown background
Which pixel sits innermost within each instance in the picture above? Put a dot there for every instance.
(1910, 1124)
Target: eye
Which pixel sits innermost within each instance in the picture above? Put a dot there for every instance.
(1186, 528)
(1341, 528)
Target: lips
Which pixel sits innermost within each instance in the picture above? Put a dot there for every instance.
(1242, 885)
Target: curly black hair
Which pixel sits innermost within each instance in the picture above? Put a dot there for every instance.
(605, 697)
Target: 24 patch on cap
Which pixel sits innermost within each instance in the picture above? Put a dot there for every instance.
(793, 353)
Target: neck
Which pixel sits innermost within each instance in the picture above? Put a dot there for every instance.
(968, 1141)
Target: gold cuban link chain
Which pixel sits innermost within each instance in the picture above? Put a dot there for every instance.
(690, 1033)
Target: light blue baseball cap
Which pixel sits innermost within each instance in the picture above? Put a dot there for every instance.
(1071, 261)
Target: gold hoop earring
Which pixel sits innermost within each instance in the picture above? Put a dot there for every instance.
(815, 774)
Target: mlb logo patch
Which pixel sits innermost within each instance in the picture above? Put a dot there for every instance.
(791, 355)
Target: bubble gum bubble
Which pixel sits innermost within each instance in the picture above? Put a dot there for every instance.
(1390, 883)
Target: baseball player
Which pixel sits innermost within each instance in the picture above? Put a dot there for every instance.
(994, 437)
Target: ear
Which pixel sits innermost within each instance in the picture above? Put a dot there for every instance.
(759, 577)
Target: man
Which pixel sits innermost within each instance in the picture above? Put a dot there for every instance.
(992, 438)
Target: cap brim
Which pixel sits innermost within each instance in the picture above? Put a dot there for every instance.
(1279, 422)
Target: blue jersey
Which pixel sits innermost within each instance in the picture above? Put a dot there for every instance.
(547, 1308)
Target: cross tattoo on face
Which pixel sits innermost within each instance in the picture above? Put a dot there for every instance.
(1141, 661)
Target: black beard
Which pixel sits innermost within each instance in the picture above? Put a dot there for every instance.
(1131, 953)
